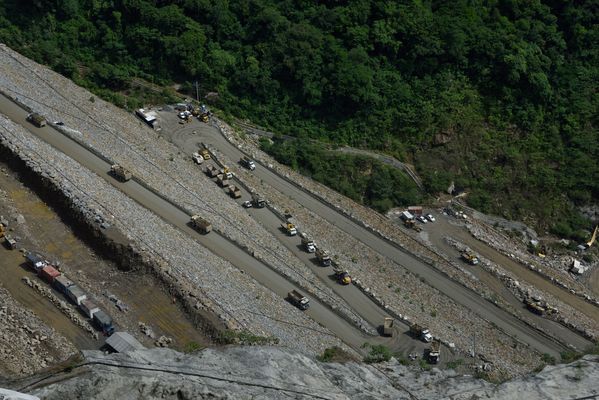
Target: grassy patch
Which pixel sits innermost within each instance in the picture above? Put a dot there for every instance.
(378, 353)
(334, 354)
(244, 338)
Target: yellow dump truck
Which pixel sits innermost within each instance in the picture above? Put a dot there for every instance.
(470, 258)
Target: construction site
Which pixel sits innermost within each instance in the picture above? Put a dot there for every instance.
(172, 226)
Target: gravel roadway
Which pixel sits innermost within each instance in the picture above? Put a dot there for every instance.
(509, 323)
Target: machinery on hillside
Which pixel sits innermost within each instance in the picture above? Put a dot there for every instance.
(469, 257)
(200, 224)
(342, 276)
(120, 172)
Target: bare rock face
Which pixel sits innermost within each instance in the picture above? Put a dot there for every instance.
(275, 373)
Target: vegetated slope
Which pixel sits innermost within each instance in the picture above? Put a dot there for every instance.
(499, 96)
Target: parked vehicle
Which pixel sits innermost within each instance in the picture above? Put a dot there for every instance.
(211, 171)
(10, 243)
(323, 257)
(434, 353)
(246, 204)
(258, 200)
(197, 158)
(421, 219)
(76, 294)
(430, 217)
(342, 276)
(388, 326)
(298, 300)
(104, 322)
(421, 333)
(234, 192)
(222, 180)
(49, 273)
(308, 243)
(470, 258)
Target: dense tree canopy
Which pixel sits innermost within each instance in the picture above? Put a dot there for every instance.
(499, 96)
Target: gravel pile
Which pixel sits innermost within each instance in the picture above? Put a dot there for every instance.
(215, 284)
(400, 291)
(26, 343)
(124, 139)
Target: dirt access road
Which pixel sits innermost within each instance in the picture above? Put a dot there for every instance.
(444, 226)
(187, 141)
(44, 231)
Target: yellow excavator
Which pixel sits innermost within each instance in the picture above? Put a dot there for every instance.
(593, 238)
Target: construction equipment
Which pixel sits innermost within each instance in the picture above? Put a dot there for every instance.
(227, 172)
(388, 326)
(234, 192)
(258, 200)
(222, 180)
(289, 227)
(434, 354)
(593, 238)
(411, 223)
(323, 257)
(211, 171)
(342, 276)
(248, 163)
(421, 333)
(205, 153)
(197, 157)
(120, 172)
(36, 119)
(200, 224)
(308, 243)
(298, 300)
(469, 257)
(10, 243)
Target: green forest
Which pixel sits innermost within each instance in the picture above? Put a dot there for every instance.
(498, 96)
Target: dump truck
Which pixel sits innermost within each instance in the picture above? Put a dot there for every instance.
(421, 333)
(411, 223)
(234, 192)
(258, 200)
(298, 300)
(434, 353)
(200, 224)
(469, 257)
(289, 227)
(226, 172)
(37, 119)
(205, 153)
(388, 326)
(323, 257)
(308, 243)
(248, 163)
(342, 276)
(10, 243)
(211, 171)
(197, 158)
(120, 172)
(222, 180)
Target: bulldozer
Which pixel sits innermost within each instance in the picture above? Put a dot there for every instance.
(342, 276)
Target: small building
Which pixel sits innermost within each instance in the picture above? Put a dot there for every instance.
(577, 267)
(123, 342)
(415, 210)
(89, 308)
(149, 117)
(49, 273)
(61, 283)
(76, 294)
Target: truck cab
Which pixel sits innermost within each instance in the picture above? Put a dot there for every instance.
(308, 244)
(342, 276)
(258, 200)
(289, 228)
(248, 163)
(323, 257)
(298, 300)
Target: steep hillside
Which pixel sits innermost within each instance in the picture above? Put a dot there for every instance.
(498, 96)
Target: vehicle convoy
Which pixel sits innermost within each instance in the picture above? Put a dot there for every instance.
(222, 180)
(37, 120)
(298, 300)
(197, 157)
(308, 243)
(248, 163)
(289, 228)
(200, 224)
(258, 200)
(388, 326)
(422, 333)
(469, 257)
(323, 257)
(211, 171)
(234, 192)
(434, 353)
(120, 172)
(205, 153)
(342, 276)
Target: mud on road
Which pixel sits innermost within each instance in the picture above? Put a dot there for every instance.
(43, 229)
